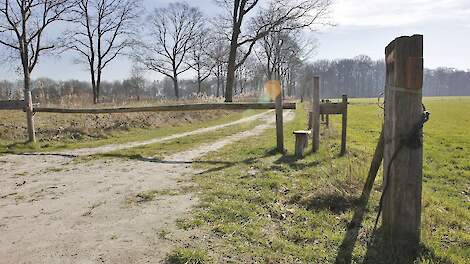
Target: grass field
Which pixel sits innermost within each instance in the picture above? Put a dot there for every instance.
(262, 207)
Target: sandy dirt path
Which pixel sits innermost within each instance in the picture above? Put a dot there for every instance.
(55, 210)
(114, 147)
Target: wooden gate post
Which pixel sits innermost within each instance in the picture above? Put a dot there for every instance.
(344, 126)
(403, 162)
(279, 122)
(322, 116)
(316, 114)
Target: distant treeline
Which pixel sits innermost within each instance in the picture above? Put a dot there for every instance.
(45, 90)
(357, 77)
(363, 77)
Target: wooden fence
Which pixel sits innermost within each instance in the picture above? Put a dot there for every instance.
(327, 108)
(12, 105)
(400, 146)
(166, 108)
(279, 105)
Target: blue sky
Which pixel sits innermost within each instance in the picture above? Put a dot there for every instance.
(362, 27)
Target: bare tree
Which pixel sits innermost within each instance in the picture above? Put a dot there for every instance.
(23, 24)
(218, 56)
(282, 53)
(172, 33)
(104, 30)
(200, 56)
(137, 81)
(279, 15)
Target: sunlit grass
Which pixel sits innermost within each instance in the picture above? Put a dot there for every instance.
(265, 207)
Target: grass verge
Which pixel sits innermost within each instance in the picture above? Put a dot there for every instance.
(188, 256)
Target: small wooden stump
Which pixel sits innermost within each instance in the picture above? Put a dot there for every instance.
(301, 142)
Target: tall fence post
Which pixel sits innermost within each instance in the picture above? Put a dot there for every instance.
(403, 153)
(344, 127)
(316, 114)
(279, 122)
(28, 99)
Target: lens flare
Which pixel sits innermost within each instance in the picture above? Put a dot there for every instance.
(272, 89)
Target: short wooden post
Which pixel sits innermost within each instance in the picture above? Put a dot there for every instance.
(279, 123)
(403, 162)
(301, 142)
(344, 125)
(316, 114)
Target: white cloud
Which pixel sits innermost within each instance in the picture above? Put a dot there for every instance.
(399, 12)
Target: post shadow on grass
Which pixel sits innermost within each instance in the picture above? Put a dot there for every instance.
(162, 161)
(347, 246)
(377, 252)
(225, 164)
(335, 203)
(247, 161)
(291, 160)
(10, 149)
(45, 154)
(380, 252)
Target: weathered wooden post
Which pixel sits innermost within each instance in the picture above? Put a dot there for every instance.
(279, 122)
(403, 159)
(344, 127)
(301, 142)
(316, 114)
(327, 117)
(322, 116)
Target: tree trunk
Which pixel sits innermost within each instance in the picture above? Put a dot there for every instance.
(93, 85)
(199, 83)
(27, 91)
(230, 82)
(175, 87)
(218, 85)
(98, 86)
(29, 106)
(95, 96)
(232, 64)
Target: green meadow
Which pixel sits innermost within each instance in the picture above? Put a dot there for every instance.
(258, 206)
